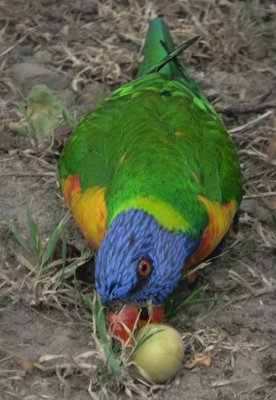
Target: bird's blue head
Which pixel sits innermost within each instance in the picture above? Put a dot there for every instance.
(138, 260)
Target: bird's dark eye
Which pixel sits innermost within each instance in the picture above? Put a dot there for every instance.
(144, 267)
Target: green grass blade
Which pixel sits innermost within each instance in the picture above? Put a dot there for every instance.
(35, 237)
(97, 311)
(51, 245)
(194, 298)
(26, 263)
(197, 268)
(64, 251)
(18, 236)
(69, 270)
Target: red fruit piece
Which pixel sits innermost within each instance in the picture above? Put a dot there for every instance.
(157, 316)
(123, 323)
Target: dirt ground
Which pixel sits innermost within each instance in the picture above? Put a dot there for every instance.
(82, 50)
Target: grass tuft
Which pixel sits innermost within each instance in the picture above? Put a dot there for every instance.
(97, 310)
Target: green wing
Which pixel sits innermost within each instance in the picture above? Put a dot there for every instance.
(158, 138)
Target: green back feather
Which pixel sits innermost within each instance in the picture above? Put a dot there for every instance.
(129, 142)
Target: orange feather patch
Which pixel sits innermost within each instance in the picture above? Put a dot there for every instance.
(180, 133)
(88, 208)
(220, 219)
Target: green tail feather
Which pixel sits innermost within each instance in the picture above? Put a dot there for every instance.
(154, 51)
(161, 56)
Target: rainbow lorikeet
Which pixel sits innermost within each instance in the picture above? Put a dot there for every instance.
(152, 177)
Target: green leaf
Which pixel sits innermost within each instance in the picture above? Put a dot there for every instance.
(44, 113)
